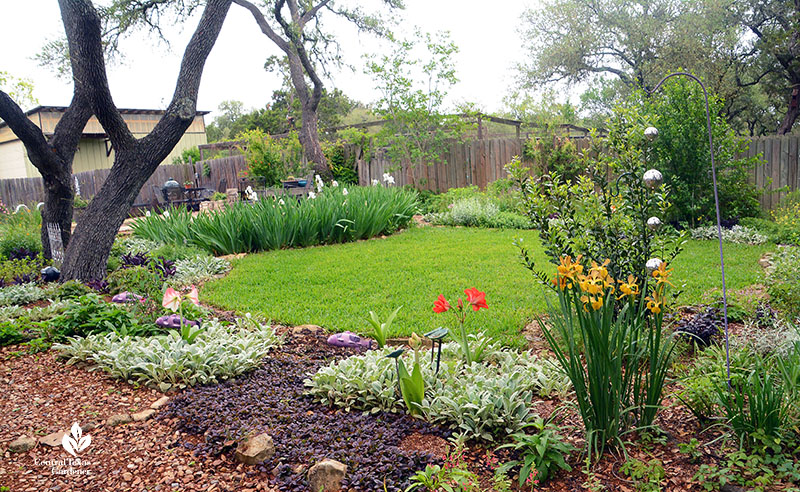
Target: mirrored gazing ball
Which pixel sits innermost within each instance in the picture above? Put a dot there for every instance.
(654, 223)
(650, 133)
(652, 265)
(652, 178)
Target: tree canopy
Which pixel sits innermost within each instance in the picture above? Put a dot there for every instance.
(618, 46)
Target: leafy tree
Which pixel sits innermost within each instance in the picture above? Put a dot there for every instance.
(296, 27)
(415, 129)
(775, 52)
(619, 46)
(681, 153)
(282, 115)
(20, 90)
(135, 159)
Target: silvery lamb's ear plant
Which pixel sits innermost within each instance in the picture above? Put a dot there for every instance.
(220, 352)
(481, 400)
(21, 294)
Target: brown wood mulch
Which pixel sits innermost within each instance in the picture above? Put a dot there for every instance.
(40, 395)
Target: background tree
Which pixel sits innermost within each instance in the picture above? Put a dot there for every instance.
(20, 90)
(618, 47)
(775, 49)
(296, 27)
(135, 159)
(282, 115)
(413, 81)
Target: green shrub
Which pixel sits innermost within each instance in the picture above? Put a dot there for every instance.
(219, 353)
(264, 156)
(72, 289)
(21, 230)
(481, 401)
(787, 217)
(21, 294)
(139, 280)
(218, 196)
(90, 315)
(341, 164)
(330, 217)
(543, 450)
(782, 280)
(10, 270)
(10, 333)
(681, 153)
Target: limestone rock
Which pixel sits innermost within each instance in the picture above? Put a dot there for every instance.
(327, 475)
(22, 444)
(53, 439)
(255, 450)
(314, 329)
(160, 402)
(143, 415)
(119, 419)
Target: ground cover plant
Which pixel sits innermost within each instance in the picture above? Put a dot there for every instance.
(432, 259)
(217, 353)
(334, 215)
(272, 399)
(782, 284)
(491, 397)
(736, 234)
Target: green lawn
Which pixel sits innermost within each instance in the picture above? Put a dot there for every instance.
(336, 286)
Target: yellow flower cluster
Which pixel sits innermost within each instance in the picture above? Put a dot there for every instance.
(597, 284)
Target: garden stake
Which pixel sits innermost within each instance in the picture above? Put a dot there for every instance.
(716, 205)
(396, 356)
(437, 335)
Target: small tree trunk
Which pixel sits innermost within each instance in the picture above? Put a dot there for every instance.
(86, 257)
(57, 207)
(791, 114)
(309, 139)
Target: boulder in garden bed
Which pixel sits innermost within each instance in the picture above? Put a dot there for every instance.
(255, 450)
(22, 444)
(327, 476)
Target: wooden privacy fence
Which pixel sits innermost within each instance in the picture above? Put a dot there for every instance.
(779, 169)
(477, 162)
(31, 190)
(473, 163)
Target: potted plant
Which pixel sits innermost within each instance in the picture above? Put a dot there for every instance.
(187, 184)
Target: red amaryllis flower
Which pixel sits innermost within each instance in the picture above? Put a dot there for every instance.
(441, 305)
(476, 298)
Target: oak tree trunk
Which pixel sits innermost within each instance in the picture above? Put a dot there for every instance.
(792, 114)
(309, 139)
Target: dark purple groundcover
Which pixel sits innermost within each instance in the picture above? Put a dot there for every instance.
(271, 399)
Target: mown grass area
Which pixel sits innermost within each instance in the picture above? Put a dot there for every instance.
(336, 286)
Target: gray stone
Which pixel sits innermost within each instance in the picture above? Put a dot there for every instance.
(327, 476)
(119, 419)
(53, 439)
(22, 444)
(314, 329)
(160, 402)
(143, 415)
(255, 450)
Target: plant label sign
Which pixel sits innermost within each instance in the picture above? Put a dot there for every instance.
(56, 245)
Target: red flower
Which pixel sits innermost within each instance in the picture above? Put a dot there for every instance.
(441, 305)
(476, 298)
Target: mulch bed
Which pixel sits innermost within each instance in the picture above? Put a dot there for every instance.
(185, 446)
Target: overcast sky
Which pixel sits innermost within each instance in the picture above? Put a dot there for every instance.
(486, 34)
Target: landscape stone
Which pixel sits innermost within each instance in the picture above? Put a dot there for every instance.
(22, 444)
(53, 439)
(119, 419)
(255, 450)
(160, 402)
(327, 476)
(143, 415)
(314, 329)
